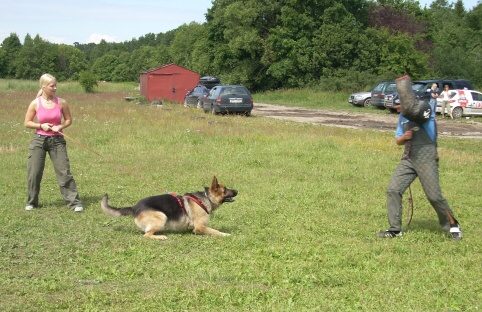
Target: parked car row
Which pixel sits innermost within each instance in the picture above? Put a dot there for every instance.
(212, 96)
(421, 90)
(384, 94)
(195, 96)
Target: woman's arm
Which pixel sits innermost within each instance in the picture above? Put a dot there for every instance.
(30, 115)
(67, 117)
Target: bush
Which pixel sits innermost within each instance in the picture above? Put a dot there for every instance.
(87, 80)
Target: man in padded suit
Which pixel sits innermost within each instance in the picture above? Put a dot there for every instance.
(419, 159)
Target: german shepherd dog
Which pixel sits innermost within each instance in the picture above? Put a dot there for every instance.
(172, 212)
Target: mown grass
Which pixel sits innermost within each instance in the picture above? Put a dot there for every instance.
(310, 200)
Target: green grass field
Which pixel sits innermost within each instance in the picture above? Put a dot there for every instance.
(310, 200)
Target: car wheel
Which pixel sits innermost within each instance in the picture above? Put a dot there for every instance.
(457, 112)
(248, 113)
(367, 103)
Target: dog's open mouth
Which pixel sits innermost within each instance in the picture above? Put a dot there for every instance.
(228, 200)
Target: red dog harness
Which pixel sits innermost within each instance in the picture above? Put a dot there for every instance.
(194, 199)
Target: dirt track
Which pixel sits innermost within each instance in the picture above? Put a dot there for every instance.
(384, 122)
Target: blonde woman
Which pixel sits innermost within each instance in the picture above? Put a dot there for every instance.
(446, 102)
(52, 115)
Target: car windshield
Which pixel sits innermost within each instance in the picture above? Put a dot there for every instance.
(391, 88)
(418, 87)
(234, 90)
(378, 88)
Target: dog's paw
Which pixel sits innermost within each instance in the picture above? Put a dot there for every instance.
(158, 237)
(225, 234)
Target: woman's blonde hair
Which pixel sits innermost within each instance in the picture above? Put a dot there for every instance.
(45, 79)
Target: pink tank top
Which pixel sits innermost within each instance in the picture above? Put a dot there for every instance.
(52, 115)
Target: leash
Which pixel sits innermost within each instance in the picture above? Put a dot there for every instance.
(410, 207)
(113, 163)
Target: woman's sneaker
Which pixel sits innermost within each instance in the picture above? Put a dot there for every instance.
(389, 234)
(456, 232)
(29, 207)
(79, 209)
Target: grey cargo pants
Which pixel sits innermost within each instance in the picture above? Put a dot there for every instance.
(423, 165)
(55, 146)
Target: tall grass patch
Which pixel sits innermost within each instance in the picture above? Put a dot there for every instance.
(310, 200)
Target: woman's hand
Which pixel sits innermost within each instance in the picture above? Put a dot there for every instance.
(55, 128)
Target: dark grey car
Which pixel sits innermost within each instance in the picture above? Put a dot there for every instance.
(195, 96)
(228, 99)
(379, 92)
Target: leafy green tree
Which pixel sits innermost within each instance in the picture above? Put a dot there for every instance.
(457, 51)
(122, 73)
(146, 58)
(124, 57)
(337, 39)
(289, 51)
(87, 80)
(3, 63)
(35, 58)
(238, 32)
(399, 55)
(70, 62)
(181, 46)
(104, 48)
(8, 55)
(474, 18)
(104, 67)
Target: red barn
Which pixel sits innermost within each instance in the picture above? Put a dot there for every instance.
(169, 82)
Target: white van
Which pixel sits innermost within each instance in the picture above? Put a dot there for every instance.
(463, 103)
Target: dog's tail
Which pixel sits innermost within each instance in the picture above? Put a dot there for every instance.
(113, 211)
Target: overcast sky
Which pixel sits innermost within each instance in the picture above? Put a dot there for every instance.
(85, 21)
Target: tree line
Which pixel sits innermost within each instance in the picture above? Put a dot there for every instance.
(270, 44)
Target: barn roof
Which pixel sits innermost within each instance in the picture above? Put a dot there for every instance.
(165, 66)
